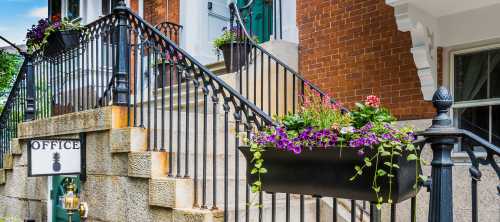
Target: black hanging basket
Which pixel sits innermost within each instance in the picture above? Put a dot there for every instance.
(326, 172)
(61, 41)
(238, 55)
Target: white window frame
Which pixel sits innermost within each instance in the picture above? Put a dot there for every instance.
(64, 8)
(470, 103)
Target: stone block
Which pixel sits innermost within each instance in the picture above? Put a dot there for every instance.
(198, 215)
(130, 139)
(105, 118)
(120, 199)
(19, 185)
(148, 164)
(8, 161)
(2, 176)
(171, 192)
(16, 147)
(100, 160)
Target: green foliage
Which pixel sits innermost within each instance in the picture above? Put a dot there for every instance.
(364, 114)
(9, 68)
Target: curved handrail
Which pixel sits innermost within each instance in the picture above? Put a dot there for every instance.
(250, 3)
(20, 77)
(206, 72)
(170, 24)
(239, 20)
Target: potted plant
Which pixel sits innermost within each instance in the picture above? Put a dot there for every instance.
(233, 45)
(325, 151)
(53, 37)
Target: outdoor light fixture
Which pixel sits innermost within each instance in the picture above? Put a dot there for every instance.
(71, 202)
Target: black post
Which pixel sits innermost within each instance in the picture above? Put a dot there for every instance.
(442, 136)
(122, 62)
(30, 111)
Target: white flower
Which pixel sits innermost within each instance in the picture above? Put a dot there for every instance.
(346, 130)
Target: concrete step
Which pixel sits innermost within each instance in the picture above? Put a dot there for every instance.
(219, 68)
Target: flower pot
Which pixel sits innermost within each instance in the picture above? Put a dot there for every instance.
(238, 55)
(61, 41)
(326, 172)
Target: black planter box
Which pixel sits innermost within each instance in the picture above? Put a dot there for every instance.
(239, 55)
(326, 172)
(61, 41)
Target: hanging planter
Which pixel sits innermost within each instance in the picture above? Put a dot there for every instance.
(235, 47)
(235, 55)
(53, 38)
(61, 41)
(327, 171)
(324, 150)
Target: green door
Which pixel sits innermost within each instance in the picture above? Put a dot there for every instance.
(58, 190)
(262, 18)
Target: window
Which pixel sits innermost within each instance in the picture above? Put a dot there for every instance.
(108, 5)
(476, 89)
(55, 10)
(73, 9)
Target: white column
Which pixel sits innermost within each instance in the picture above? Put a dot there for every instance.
(194, 35)
(289, 20)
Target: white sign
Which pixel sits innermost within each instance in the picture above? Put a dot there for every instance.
(54, 157)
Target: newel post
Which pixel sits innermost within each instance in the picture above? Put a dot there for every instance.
(442, 136)
(30, 112)
(122, 59)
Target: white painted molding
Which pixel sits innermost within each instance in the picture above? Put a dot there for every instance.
(422, 28)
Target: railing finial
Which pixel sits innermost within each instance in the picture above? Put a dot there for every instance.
(442, 101)
(120, 6)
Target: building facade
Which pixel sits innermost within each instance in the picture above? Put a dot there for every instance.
(162, 127)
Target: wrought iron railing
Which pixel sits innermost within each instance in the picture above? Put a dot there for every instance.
(192, 113)
(263, 78)
(13, 112)
(171, 30)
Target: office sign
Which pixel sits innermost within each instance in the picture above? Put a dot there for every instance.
(47, 157)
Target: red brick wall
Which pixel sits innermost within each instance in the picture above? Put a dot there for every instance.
(155, 11)
(352, 48)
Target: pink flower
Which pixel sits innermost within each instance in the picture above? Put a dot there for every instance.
(372, 101)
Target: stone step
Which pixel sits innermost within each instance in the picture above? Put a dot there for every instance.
(218, 68)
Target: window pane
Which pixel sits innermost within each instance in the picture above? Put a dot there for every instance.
(471, 76)
(495, 131)
(495, 74)
(474, 119)
(73, 9)
(55, 10)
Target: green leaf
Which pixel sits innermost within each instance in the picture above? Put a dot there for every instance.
(254, 171)
(262, 170)
(376, 189)
(368, 163)
(411, 157)
(381, 172)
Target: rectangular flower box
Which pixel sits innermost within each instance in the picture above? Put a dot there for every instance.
(326, 172)
(61, 41)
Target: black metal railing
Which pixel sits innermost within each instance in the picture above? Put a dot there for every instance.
(13, 112)
(171, 30)
(265, 79)
(199, 119)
